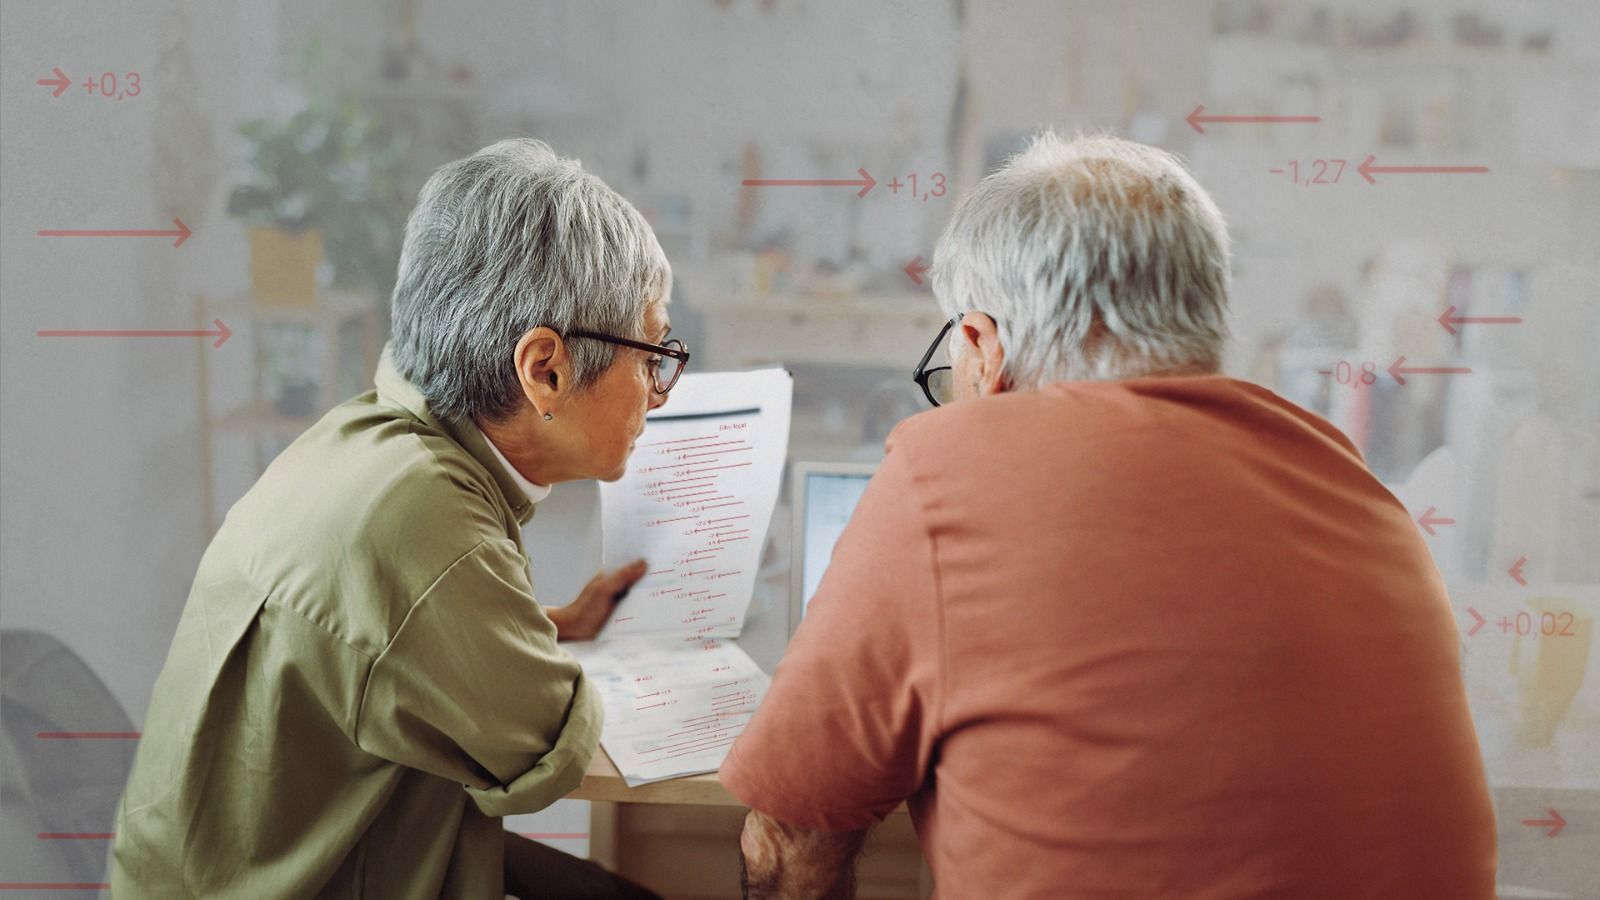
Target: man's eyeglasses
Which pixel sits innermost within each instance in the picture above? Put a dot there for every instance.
(936, 383)
(665, 367)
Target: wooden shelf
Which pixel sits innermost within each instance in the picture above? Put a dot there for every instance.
(332, 306)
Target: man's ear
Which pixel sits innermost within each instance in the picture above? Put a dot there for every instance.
(983, 338)
(543, 369)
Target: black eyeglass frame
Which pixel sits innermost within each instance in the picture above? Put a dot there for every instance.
(921, 375)
(679, 353)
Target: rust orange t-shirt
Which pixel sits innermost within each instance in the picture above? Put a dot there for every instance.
(1160, 637)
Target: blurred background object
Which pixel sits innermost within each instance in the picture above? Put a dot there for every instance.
(308, 118)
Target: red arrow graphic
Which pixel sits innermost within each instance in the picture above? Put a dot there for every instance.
(61, 81)
(182, 233)
(865, 182)
(222, 333)
(1449, 321)
(1516, 570)
(1555, 823)
(1398, 369)
(1428, 520)
(1475, 625)
(1367, 168)
(914, 270)
(1194, 119)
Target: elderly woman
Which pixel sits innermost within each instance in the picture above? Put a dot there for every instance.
(362, 683)
(1110, 622)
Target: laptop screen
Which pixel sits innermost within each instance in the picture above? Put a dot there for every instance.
(828, 499)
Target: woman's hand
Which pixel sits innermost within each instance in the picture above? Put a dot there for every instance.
(583, 618)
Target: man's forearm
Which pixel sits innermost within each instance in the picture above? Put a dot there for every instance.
(779, 860)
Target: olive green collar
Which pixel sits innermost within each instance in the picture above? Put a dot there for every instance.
(395, 389)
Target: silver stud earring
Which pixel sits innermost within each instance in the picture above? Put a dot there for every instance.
(548, 417)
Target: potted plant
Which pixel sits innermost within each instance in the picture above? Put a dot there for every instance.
(324, 183)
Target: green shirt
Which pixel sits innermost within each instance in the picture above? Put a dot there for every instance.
(362, 682)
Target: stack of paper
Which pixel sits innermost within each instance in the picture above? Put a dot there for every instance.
(696, 503)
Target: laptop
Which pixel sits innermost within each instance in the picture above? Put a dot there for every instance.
(824, 496)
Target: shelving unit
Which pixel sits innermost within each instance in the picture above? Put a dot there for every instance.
(345, 323)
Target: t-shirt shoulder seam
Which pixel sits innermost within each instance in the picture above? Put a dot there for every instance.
(938, 584)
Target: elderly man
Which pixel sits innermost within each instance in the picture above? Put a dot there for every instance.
(362, 682)
(1111, 623)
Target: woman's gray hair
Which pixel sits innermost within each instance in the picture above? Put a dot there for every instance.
(508, 239)
(1100, 258)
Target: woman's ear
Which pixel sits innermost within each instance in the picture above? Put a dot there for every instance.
(543, 369)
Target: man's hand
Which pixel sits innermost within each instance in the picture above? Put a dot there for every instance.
(583, 618)
(779, 860)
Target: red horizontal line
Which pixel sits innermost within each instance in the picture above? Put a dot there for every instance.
(701, 494)
(717, 444)
(649, 706)
(678, 519)
(715, 452)
(727, 684)
(720, 505)
(660, 572)
(681, 440)
(727, 518)
(76, 836)
(88, 735)
(728, 466)
(1258, 118)
(689, 743)
(724, 743)
(696, 478)
(701, 727)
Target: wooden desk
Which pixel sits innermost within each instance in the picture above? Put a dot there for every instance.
(664, 840)
(603, 782)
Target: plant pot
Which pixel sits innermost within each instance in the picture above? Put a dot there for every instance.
(283, 265)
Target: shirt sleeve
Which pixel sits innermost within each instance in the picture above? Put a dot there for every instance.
(473, 688)
(848, 728)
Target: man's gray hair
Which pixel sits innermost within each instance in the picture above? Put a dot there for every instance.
(508, 239)
(1100, 258)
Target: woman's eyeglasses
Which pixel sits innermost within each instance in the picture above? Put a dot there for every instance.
(665, 367)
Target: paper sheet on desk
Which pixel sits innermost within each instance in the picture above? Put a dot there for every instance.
(672, 708)
(696, 502)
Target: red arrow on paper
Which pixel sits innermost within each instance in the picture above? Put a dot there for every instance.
(181, 233)
(1428, 520)
(1555, 823)
(1194, 119)
(222, 333)
(1449, 321)
(61, 81)
(1516, 570)
(914, 270)
(1475, 625)
(865, 182)
(1367, 168)
(1399, 368)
